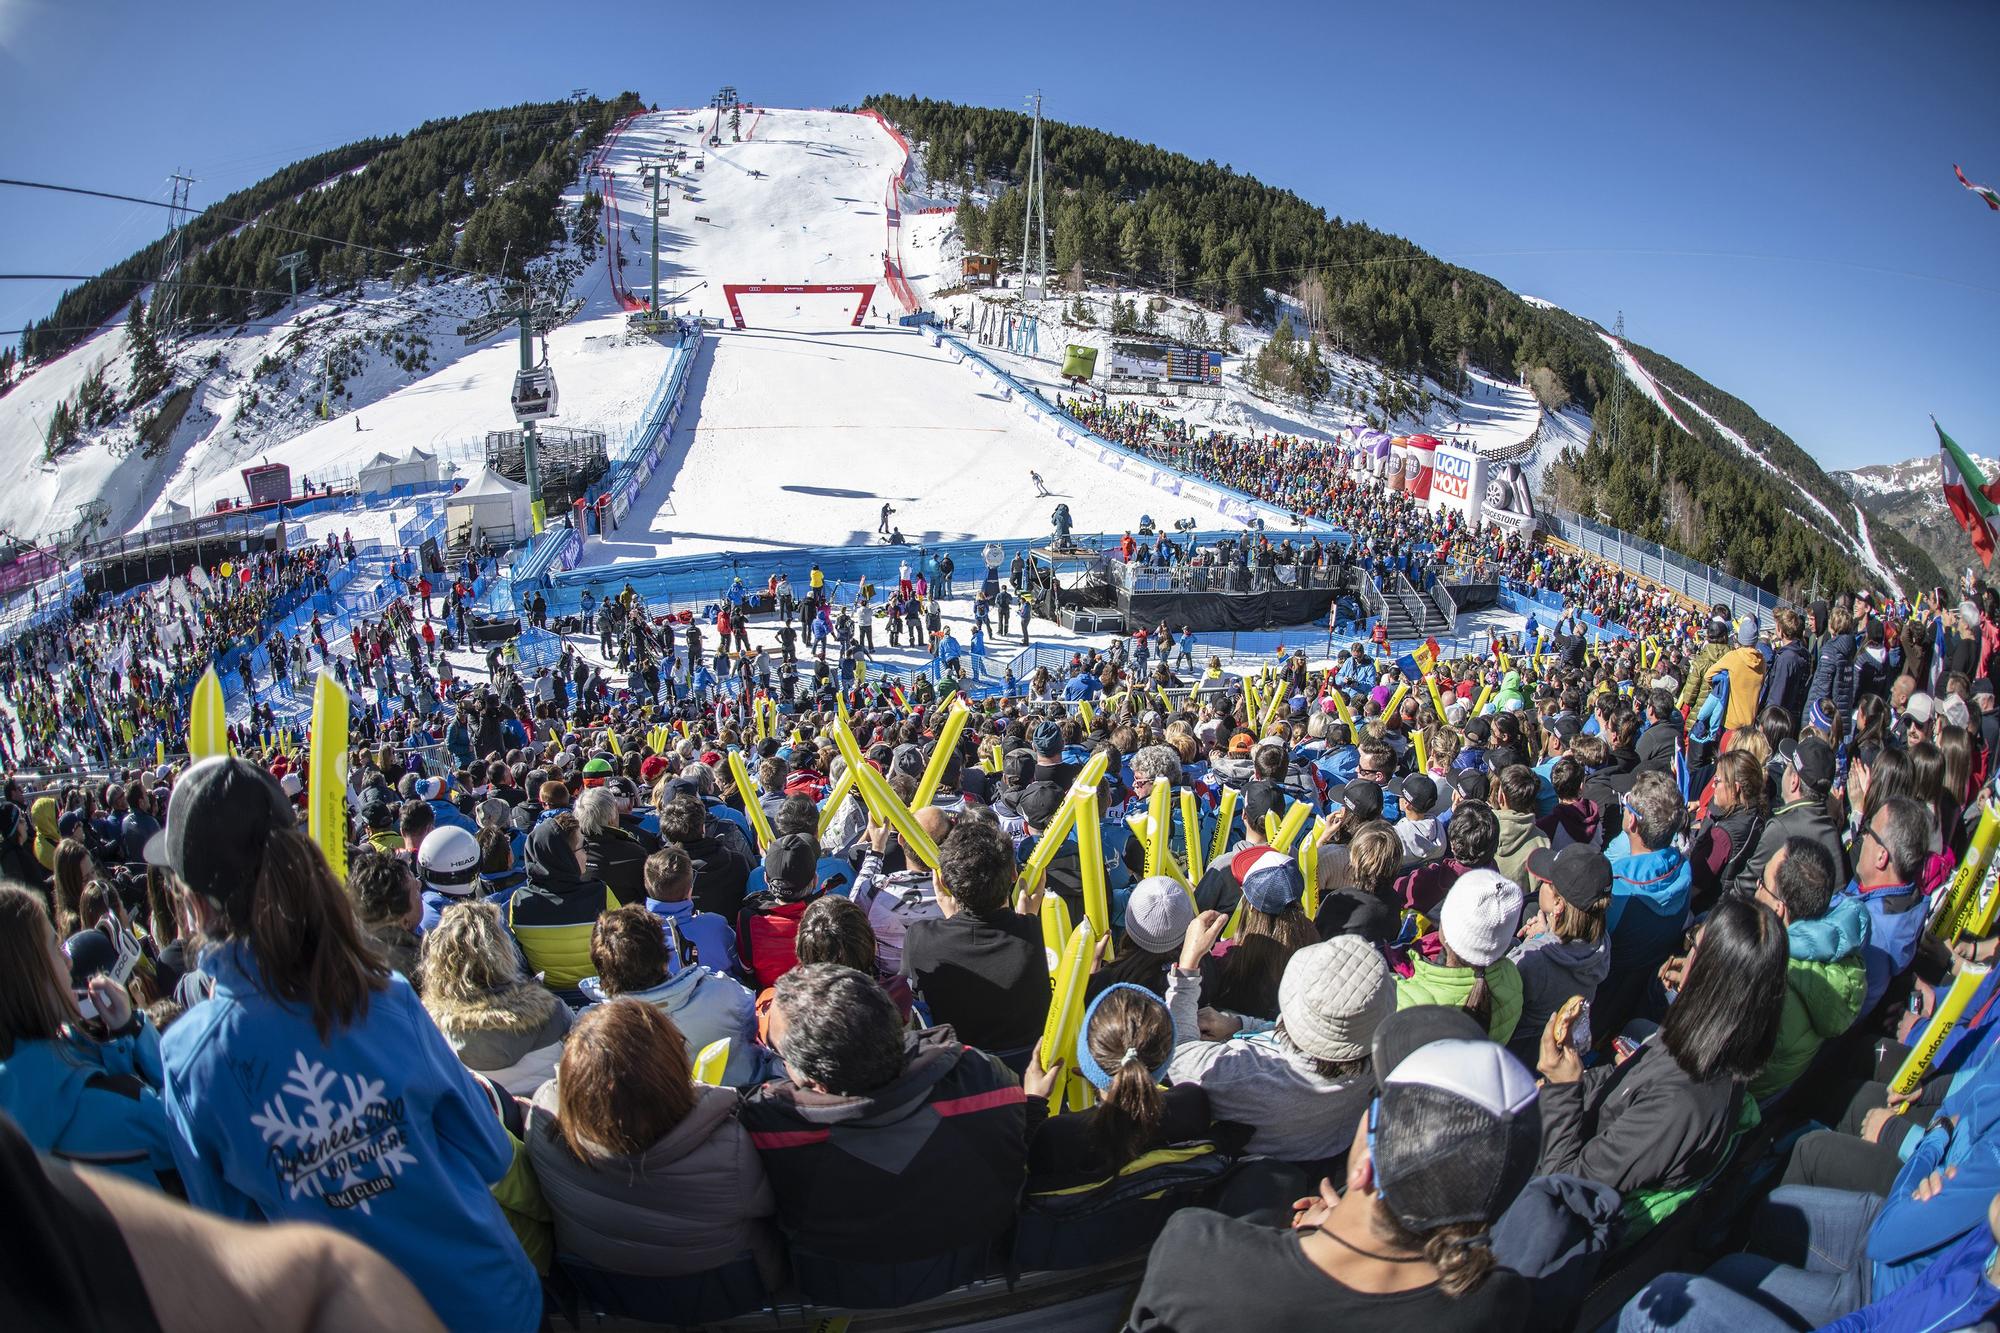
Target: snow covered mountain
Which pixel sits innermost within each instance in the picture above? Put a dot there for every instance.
(1907, 496)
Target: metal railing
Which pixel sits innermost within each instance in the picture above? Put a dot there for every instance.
(1134, 577)
(1446, 604)
(1692, 579)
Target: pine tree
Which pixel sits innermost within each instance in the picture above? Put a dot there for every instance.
(149, 365)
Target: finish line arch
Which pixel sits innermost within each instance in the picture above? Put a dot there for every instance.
(865, 291)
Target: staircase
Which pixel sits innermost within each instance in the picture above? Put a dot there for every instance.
(1408, 613)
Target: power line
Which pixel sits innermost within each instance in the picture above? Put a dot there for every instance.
(242, 222)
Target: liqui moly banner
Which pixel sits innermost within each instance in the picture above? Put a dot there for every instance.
(1458, 481)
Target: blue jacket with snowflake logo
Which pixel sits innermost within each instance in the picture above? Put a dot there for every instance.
(378, 1131)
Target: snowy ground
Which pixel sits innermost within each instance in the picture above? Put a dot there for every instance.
(797, 437)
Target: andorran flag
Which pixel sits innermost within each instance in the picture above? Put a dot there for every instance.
(1974, 501)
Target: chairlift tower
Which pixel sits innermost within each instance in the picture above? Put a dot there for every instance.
(1035, 217)
(290, 265)
(650, 173)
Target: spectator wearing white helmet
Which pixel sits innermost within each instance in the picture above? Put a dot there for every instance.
(448, 864)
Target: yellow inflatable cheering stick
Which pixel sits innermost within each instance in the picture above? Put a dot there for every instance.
(882, 801)
(208, 719)
(752, 807)
(326, 774)
(1058, 831)
(947, 745)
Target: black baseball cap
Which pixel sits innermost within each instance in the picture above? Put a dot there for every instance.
(1039, 803)
(1813, 760)
(1471, 784)
(792, 863)
(1261, 798)
(1581, 874)
(1418, 793)
(219, 820)
(1361, 797)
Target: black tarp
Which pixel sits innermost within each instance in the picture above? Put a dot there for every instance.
(1235, 612)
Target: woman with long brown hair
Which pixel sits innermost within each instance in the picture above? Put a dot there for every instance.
(648, 1173)
(79, 1069)
(311, 1085)
(73, 870)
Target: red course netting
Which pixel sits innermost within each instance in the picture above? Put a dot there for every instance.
(892, 208)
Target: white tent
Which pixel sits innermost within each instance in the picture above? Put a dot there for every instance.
(171, 513)
(383, 473)
(489, 506)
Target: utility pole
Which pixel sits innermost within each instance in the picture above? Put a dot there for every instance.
(325, 379)
(1035, 217)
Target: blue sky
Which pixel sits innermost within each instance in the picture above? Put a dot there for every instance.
(1765, 190)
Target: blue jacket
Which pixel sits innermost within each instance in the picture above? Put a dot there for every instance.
(378, 1132)
(1906, 1235)
(450, 816)
(713, 937)
(1895, 923)
(1657, 881)
(1953, 1292)
(94, 1102)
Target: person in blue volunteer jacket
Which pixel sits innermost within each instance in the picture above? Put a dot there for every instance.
(312, 1086)
(1651, 883)
(1888, 856)
(83, 1090)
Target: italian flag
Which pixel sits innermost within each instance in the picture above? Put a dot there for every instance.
(1974, 501)
(1991, 197)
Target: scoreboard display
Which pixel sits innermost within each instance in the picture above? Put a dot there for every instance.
(270, 483)
(1192, 365)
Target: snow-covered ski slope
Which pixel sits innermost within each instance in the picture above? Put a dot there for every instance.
(1857, 543)
(800, 427)
(800, 201)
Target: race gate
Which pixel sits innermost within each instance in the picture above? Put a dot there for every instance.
(864, 292)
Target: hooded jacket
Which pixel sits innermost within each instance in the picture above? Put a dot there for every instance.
(934, 1159)
(1579, 821)
(42, 814)
(553, 911)
(1825, 982)
(689, 1203)
(706, 1006)
(1435, 983)
(1519, 836)
(1553, 970)
(513, 1036)
(271, 1122)
(619, 859)
(94, 1102)
(1745, 669)
(1645, 921)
